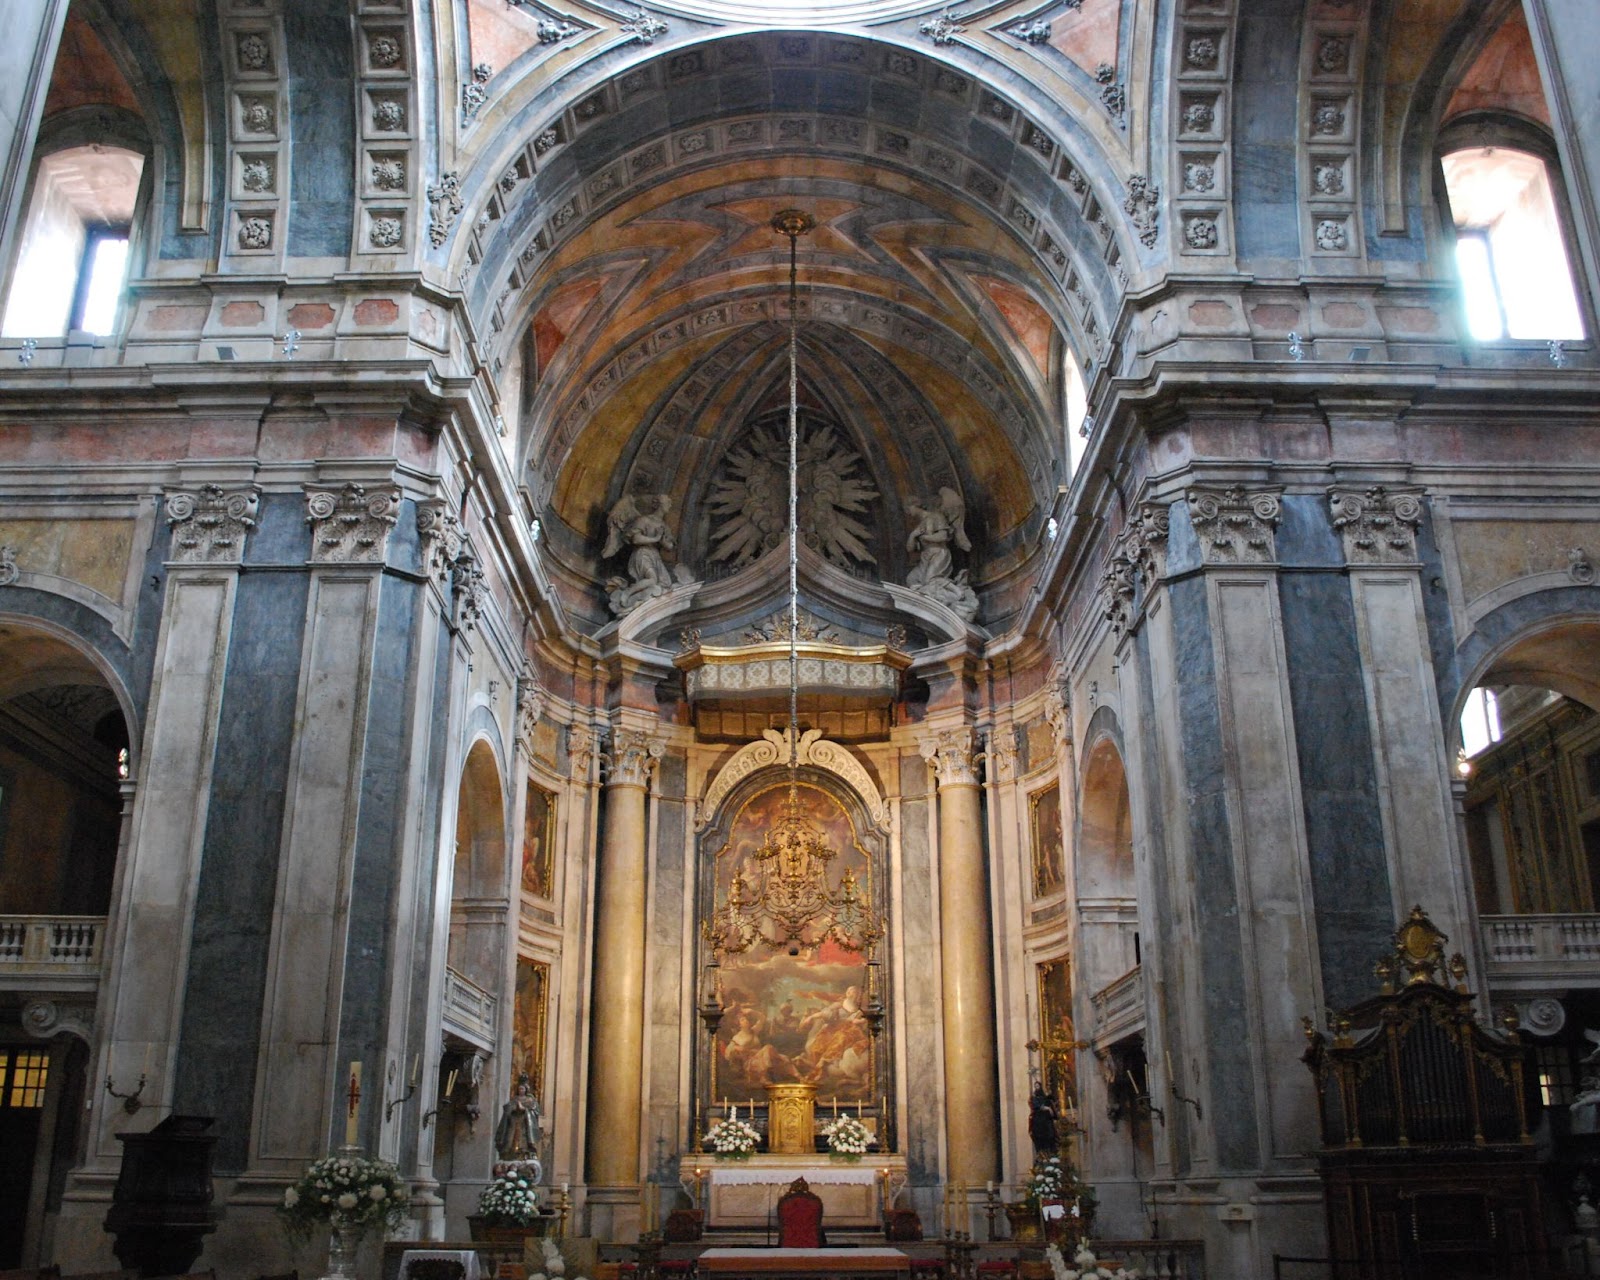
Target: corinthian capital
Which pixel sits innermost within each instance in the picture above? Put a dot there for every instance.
(1378, 525)
(953, 753)
(350, 525)
(632, 758)
(210, 524)
(583, 741)
(1236, 526)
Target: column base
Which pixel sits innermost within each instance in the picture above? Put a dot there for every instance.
(613, 1214)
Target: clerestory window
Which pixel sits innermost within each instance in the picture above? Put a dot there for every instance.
(1516, 273)
(73, 255)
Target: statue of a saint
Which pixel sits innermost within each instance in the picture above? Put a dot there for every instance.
(1042, 1124)
(516, 1136)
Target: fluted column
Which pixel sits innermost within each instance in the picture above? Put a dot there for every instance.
(617, 1027)
(967, 959)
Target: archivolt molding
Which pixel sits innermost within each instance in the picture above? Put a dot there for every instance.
(813, 749)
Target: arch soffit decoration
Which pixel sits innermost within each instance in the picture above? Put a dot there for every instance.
(1056, 176)
(772, 751)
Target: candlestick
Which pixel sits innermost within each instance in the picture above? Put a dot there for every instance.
(352, 1120)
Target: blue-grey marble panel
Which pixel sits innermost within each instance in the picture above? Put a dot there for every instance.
(369, 944)
(1338, 782)
(317, 40)
(223, 991)
(1216, 899)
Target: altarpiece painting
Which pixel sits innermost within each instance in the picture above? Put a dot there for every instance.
(794, 1013)
(1058, 1035)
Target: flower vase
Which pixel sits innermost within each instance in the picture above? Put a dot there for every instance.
(342, 1246)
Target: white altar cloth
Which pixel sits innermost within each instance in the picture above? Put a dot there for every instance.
(846, 1174)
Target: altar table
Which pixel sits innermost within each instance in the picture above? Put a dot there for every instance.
(804, 1264)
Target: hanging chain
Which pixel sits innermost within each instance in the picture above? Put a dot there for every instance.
(794, 223)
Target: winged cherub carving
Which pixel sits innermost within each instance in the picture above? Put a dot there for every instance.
(638, 522)
(939, 524)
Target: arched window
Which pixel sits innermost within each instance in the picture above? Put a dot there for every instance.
(1511, 249)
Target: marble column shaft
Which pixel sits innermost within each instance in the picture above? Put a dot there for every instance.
(617, 1026)
(967, 959)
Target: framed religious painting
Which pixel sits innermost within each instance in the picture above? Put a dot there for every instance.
(1048, 853)
(538, 830)
(1057, 1033)
(528, 1018)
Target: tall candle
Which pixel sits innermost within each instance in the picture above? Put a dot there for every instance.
(353, 1112)
(416, 1069)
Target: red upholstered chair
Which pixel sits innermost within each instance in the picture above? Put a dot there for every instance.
(800, 1217)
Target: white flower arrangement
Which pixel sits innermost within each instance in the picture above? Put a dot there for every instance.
(733, 1137)
(1085, 1266)
(848, 1137)
(346, 1190)
(1047, 1181)
(511, 1200)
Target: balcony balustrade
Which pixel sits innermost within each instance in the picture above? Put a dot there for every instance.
(1536, 950)
(51, 952)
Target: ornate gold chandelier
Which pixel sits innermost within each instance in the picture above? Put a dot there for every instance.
(793, 906)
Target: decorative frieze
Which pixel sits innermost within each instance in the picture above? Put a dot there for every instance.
(632, 758)
(643, 27)
(439, 536)
(258, 160)
(209, 525)
(349, 525)
(953, 754)
(1378, 525)
(1235, 526)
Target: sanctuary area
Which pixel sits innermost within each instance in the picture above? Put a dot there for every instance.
(981, 621)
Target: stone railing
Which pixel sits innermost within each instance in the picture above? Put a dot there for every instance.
(1119, 1006)
(55, 947)
(1155, 1259)
(1543, 947)
(469, 1011)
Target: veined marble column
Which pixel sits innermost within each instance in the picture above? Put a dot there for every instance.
(617, 997)
(971, 1096)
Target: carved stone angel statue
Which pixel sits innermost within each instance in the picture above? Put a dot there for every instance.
(638, 522)
(938, 524)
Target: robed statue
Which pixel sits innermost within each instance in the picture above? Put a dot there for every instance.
(517, 1135)
(1042, 1124)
